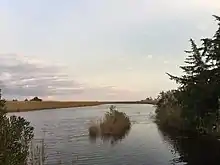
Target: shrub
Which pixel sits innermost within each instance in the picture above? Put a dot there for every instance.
(168, 110)
(114, 123)
(36, 99)
(15, 136)
(170, 113)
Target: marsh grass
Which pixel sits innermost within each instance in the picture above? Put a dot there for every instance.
(37, 153)
(170, 114)
(19, 106)
(114, 125)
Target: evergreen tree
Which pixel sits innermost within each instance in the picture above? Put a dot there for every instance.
(195, 67)
(213, 58)
(199, 85)
(213, 45)
(192, 83)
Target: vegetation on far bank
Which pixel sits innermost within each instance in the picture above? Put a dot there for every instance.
(194, 105)
(115, 124)
(19, 106)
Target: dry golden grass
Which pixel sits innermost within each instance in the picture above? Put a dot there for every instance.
(20, 106)
(114, 123)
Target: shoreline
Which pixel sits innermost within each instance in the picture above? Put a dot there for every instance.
(24, 106)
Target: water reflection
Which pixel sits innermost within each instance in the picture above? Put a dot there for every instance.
(92, 139)
(192, 149)
(113, 139)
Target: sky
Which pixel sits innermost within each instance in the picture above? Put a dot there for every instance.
(99, 49)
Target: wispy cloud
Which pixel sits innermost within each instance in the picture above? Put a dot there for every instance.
(26, 78)
(22, 77)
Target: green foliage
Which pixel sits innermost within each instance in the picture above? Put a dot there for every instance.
(168, 110)
(197, 96)
(2, 105)
(166, 99)
(15, 136)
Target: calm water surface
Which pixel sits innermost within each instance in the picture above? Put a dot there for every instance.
(66, 136)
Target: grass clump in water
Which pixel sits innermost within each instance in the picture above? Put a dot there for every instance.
(114, 123)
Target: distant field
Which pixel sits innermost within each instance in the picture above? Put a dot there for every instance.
(16, 106)
(20, 106)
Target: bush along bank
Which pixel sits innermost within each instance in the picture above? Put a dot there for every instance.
(194, 105)
(15, 137)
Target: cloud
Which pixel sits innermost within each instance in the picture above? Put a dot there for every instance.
(149, 56)
(166, 62)
(101, 42)
(26, 78)
(23, 77)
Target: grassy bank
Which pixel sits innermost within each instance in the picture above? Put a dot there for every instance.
(170, 114)
(171, 118)
(21, 106)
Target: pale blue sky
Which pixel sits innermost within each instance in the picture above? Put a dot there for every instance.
(97, 49)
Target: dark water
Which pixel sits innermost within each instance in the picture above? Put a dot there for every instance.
(66, 138)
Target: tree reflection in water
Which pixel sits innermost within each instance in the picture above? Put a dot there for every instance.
(193, 149)
(111, 138)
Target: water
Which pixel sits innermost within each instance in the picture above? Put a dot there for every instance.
(66, 138)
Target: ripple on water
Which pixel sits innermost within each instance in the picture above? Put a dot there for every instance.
(66, 138)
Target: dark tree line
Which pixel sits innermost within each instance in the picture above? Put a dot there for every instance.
(36, 99)
(199, 87)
